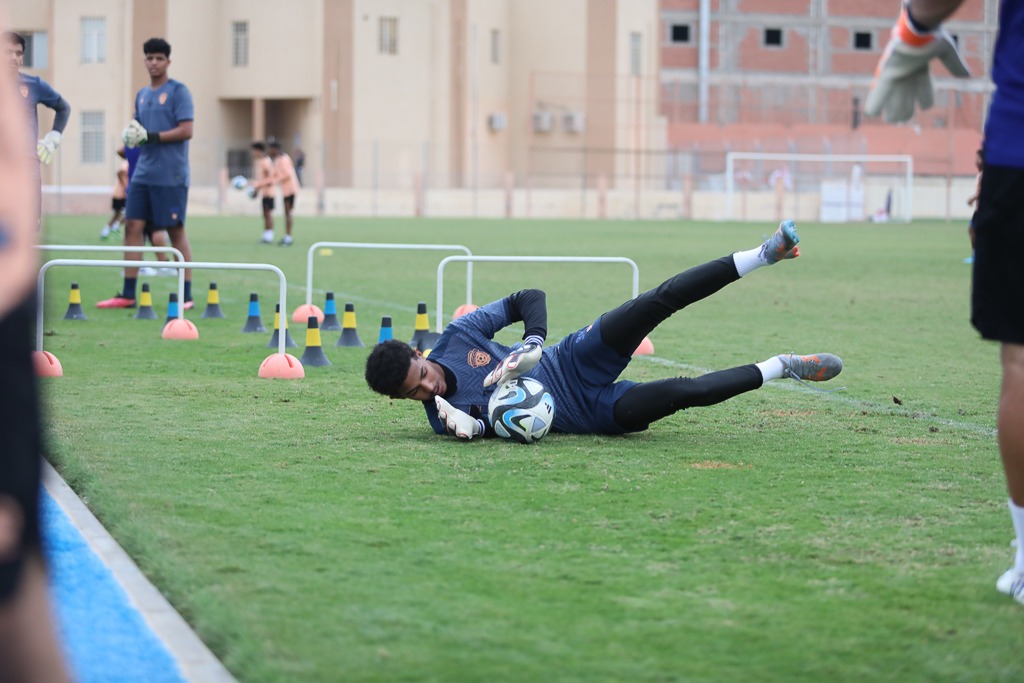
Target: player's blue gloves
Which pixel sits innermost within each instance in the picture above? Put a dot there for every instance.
(458, 423)
(520, 361)
(902, 75)
(47, 147)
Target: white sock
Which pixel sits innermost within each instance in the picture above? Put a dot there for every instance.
(771, 368)
(1017, 515)
(749, 260)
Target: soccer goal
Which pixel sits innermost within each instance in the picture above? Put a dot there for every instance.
(841, 187)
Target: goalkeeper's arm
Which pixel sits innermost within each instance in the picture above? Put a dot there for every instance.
(530, 306)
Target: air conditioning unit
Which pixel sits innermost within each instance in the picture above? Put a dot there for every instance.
(543, 121)
(497, 121)
(574, 122)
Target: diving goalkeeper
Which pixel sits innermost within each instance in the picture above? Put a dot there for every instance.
(582, 370)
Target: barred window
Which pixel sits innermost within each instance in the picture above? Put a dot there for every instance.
(93, 134)
(94, 40)
(635, 45)
(240, 43)
(35, 49)
(389, 35)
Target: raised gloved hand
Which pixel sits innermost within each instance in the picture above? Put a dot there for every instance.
(518, 362)
(458, 423)
(48, 146)
(902, 76)
(135, 135)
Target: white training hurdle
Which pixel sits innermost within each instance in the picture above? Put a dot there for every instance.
(526, 259)
(111, 247)
(197, 265)
(384, 245)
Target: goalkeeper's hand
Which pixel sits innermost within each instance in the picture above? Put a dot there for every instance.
(252, 192)
(47, 147)
(902, 76)
(458, 424)
(518, 362)
(135, 135)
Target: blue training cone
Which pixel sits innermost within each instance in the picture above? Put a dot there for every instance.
(314, 353)
(289, 343)
(349, 335)
(330, 314)
(172, 308)
(253, 322)
(385, 329)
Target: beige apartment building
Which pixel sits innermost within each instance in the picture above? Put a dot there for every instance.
(396, 104)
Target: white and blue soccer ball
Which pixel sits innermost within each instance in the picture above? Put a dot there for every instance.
(239, 182)
(521, 409)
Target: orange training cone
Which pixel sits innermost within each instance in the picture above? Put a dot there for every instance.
(146, 311)
(180, 328)
(349, 336)
(289, 343)
(314, 353)
(46, 364)
(75, 311)
(463, 310)
(646, 348)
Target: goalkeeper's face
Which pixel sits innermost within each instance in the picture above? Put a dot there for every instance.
(424, 381)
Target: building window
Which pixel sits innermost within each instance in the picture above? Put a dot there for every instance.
(240, 43)
(93, 135)
(862, 40)
(773, 37)
(389, 35)
(680, 33)
(36, 46)
(635, 43)
(94, 40)
(495, 47)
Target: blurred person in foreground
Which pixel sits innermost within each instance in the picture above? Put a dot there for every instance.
(28, 647)
(902, 80)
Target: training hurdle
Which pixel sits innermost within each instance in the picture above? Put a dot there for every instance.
(526, 259)
(302, 313)
(111, 247)
(181, 265)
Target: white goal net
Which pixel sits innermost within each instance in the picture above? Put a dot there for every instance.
(836, 188)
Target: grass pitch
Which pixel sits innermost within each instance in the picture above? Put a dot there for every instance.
(313, 531)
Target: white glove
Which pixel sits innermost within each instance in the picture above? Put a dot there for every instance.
(518, 362)
(252, 192)
(48, 146)
(902, 75)
(134, 135)
(458, 423)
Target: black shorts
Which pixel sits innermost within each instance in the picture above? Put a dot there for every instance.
(997, 288)
(268, 203)
(289, 202)
(118, 204)
(21, 450)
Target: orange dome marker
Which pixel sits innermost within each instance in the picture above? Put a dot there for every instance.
(281, 366)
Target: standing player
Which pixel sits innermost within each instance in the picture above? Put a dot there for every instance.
(36, 91)
(158, 192)
(582, 370)
(117, 201)
(902, 78)
(285, 175)
(28, 647)
(263, 185)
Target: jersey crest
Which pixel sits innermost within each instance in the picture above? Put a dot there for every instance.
(163, 98)
(24, 91)
(477, 358)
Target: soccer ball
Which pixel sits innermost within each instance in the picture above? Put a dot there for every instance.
(521, 409)
(239, 182)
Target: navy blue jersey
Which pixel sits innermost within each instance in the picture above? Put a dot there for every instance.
(36, 91)
(1006, 113)
(579, 371)
(159, 110)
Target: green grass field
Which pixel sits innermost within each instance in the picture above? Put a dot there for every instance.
(313, 531)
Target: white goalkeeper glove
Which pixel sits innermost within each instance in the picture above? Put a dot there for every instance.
(518, 362)
(902, 76)
(135, 134)
(252, 192)
(456, 422)
(47, 147)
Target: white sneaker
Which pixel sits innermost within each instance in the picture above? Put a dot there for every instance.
(167, 272)
(1012, 583)
(146, 271)
(105, 232)
(268, 236)
(286, 241)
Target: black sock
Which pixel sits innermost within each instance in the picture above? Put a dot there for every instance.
(188, 290)
(129, 288)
